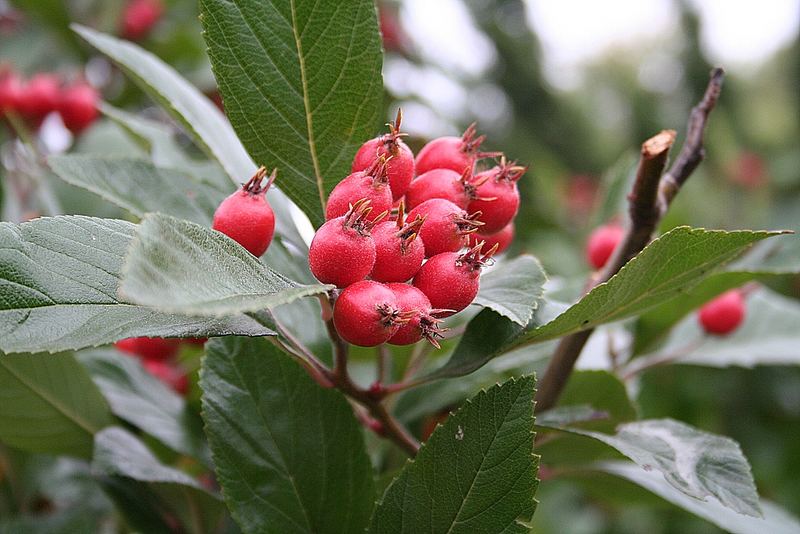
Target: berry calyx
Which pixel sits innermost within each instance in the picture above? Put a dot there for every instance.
(343, 251)
(39, 97)
(149, 348)
(78, 106)
(423, 324)
(502, 239)
(454, 153)
(371, 184)
(246, 216)
(723, 314)
(139, 17)
(602, 242)
(367, 314)
(497, 196)
(447, 227)
(451, 280)
(399, 251)
(399, 158)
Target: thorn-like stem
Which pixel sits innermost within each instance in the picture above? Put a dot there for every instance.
(648, 202)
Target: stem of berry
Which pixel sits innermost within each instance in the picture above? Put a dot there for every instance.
(651, 196)
(339, 376)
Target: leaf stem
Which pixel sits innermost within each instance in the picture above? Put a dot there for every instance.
(648, 202)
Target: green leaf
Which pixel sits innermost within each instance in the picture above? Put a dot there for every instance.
(768, 336)
(49, 404)
(302, 85)
(513, 289)
(656, 323)
(201, 118)
(476, 473)
(593, 400)
(141, 399)
(694, 462)
(139, 187)
(59, 279)
(118, 453)
(159, 141)
(290, 455)
(178, 266)
(604, 392)
(487, 335)
(193, 110)
(670, 265)
(775, 520)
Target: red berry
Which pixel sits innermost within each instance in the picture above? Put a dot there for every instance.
(199, 341)
(497, 196)
(149, 348)
(10, 92)
(39, 97)
(399, 251)
(451, 280)
(446, 228)
(454, 153)
(246, 216)
(342, 251)
(399, 158)
(422, 324)
(441, 183)
(139, 17)
(602, 242)
(170, 375)
(371, 184)
(502, 239)
(723, 314)
(367, 314)
(78, 106)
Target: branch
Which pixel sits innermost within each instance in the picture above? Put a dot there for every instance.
(388, 426)
(649, 201)
(692, 152)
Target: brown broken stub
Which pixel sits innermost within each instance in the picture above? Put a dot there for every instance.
(475, 258)
(471, 184)
(357, 217)
(254, 185)
(659, 143)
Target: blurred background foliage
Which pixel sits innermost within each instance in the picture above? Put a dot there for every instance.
(579, 133)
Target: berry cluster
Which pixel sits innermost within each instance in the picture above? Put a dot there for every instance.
(32, 100)
(399, 273)
(158, 357)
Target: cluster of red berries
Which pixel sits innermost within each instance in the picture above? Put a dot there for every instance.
(719, 316)
(139, 17)
(32, 100)
(401, 274)
(158, 358)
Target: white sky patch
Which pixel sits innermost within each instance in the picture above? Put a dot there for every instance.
(443, 32)
(735, 33)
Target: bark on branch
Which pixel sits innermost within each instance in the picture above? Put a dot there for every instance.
(648, 202)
